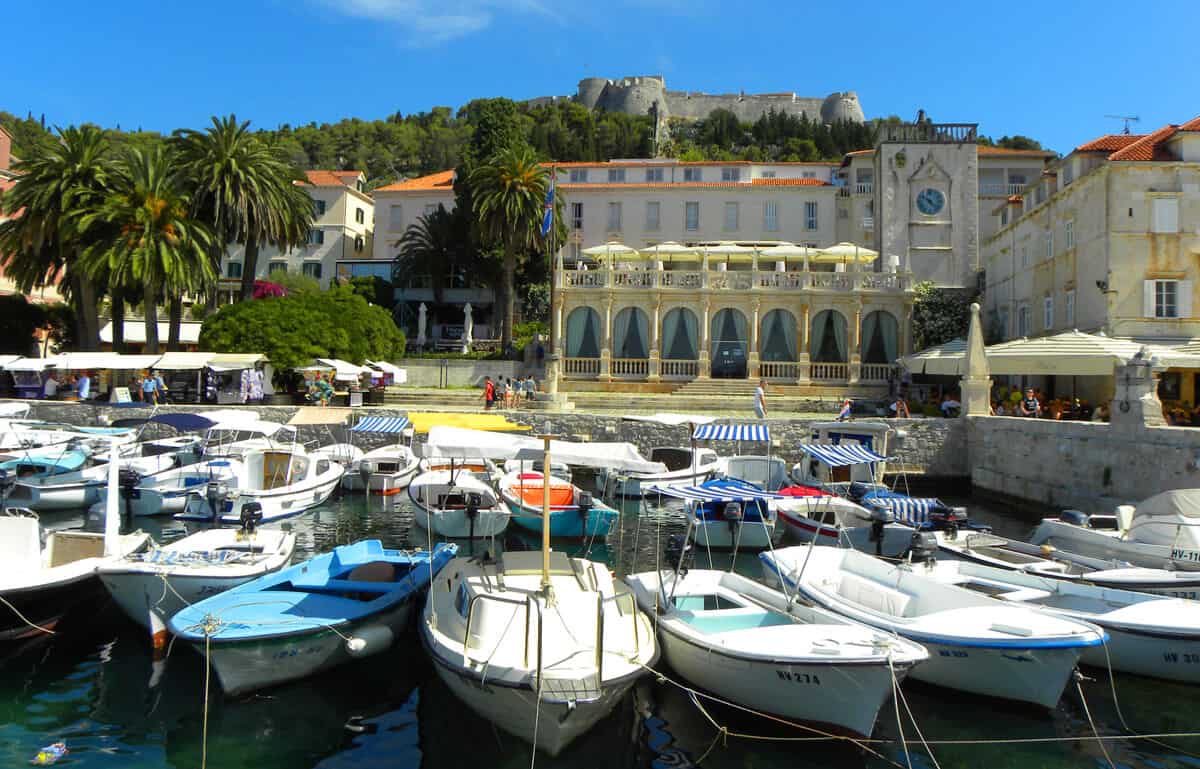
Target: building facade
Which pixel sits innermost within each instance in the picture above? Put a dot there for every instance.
(343, 229)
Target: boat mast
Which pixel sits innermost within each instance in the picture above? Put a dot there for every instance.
(546, 515)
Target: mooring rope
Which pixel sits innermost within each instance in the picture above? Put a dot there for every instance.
(25, 619)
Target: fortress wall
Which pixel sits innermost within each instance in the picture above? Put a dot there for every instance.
(747, 108)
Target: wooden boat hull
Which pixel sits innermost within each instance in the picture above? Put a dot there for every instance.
(43, 606)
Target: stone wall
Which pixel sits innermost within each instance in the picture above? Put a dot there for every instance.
(450, 372)
(1084, 465)
(935, 447)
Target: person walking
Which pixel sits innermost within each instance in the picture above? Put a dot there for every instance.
(160, 387)
(760, 399)
(149, 389)
(489, 393)
(84, 386)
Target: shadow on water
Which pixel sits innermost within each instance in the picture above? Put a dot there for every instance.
(89, 686)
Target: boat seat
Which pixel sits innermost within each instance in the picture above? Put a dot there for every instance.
(872, 595)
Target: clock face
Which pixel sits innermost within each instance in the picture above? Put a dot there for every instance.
(930, 201)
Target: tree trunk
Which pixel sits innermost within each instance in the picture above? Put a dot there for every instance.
(150, 311)
(510, 270)
(118, 322)
(249, 268)
(176, 319)
(88, 320)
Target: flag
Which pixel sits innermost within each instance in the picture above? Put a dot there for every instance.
(548, 211)
(844, 414)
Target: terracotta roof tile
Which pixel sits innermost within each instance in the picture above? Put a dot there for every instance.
(322, 178)
(1109, 143)
(1191, 125)
(441, 181)
(1148, 147)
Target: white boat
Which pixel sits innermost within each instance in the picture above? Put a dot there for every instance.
(685, 466)
(167, 492)
(83, 488)
(345, 454)
(165, 579)
(1160, 532)
(726, 514)
(1147, 635)
(976, 644)
(279, 482)
(42, 582)
(1048, 561)
(874, 438)
(557, 469)
(457, 504)
(770, 473)
(751, 645)
(541, 644)
(387, 470)
(238, 436)
(543, 670)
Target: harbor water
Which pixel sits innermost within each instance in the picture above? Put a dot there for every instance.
(89, 686)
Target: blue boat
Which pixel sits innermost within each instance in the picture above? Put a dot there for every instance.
(574, 514)
(312, 616)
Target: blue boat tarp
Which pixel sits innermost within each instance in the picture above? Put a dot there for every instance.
(841, 455)
(380, 425)
(736, 432)
(184, 423)
(714, 491)
(913, 510)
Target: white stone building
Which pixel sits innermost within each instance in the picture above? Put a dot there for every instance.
(343, 228)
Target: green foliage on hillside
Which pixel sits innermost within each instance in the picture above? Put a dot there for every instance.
(776, 136)
(292, 330)
(1017, 142)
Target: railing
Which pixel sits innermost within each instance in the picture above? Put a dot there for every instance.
(679, 369)
(676, 279)
(581, 366)
(830, 372)
(863, 188)
(844, 191)
(584, 278)
(780, 369)
(634, 278)
(630, 367)
(938, 133)
(838, 281)
(882, 281)
(993, 189)
(781, 280)
(874, 372)
(734, 281)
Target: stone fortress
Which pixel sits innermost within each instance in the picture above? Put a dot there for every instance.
(639, 95)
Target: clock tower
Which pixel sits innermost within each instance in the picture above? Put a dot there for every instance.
(926, 200)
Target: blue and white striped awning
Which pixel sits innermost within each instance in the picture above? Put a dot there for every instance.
(713, 491)
(742, 432)
(913, 510)
(380, 425)
(841, 455)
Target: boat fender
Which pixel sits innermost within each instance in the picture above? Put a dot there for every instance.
(369, 640)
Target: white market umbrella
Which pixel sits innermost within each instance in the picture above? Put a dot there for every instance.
(845, 253)
(728, 250)
(670, 249)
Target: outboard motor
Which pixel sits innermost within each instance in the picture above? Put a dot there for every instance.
(733, 516)
(1073, 517)
(473, 502)
(857, 490)
(365, 468)
(679, 554)
(880, 518)
(923, 547)
(251, 517)
(583, 501)
(127, 482)
(215, 493)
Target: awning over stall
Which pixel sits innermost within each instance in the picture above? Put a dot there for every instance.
(742, 432)
(841, 455)
(111, 361)
(184, 361)
(234, 361)
(31, 364)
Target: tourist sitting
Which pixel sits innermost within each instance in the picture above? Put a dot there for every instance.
(50, 387)
(999, 409)
(949, 406)
(899, 409)
(1029, 406)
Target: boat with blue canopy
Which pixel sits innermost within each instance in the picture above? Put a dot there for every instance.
(386, 470)
(762, 470)
(726, 513)
(343, 605)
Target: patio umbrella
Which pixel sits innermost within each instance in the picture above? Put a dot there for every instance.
(784, 251)
(947, 358)
(670, 249)
(729, 250)
(845, 253)
(610, 249)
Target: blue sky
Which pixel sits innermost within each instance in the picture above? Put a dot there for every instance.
(1051, 70)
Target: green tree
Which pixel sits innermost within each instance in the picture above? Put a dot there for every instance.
(509, 194)
(42, 245)
(144, 236)
(374, 289)
(939, 314)
(294, 282)
(19, 319)
(292, 330)
(434, 245)
(245, 188)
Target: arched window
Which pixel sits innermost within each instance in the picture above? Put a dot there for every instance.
(828, 338)
(679, 335)
(583, 333)
(778, 336)
(880, 338)
(728, 342)
(631, 334)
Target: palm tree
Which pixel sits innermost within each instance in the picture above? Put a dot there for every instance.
(40, 243)
(432, 246)
(146, 236)
(509, 193)
(246, 189)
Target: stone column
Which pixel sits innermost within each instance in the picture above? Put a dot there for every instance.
(556, 344)
(752, 359)
(606, 344)
(652, 371)
(856, 343)
(802, 346)
(1135, 405)
(705, 363)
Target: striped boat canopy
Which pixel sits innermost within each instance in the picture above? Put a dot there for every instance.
(912, 510)
(842, 454)
(714, 491)
(739, 432)
(380, 425)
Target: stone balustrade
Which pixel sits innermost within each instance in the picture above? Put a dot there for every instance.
(735, 280)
